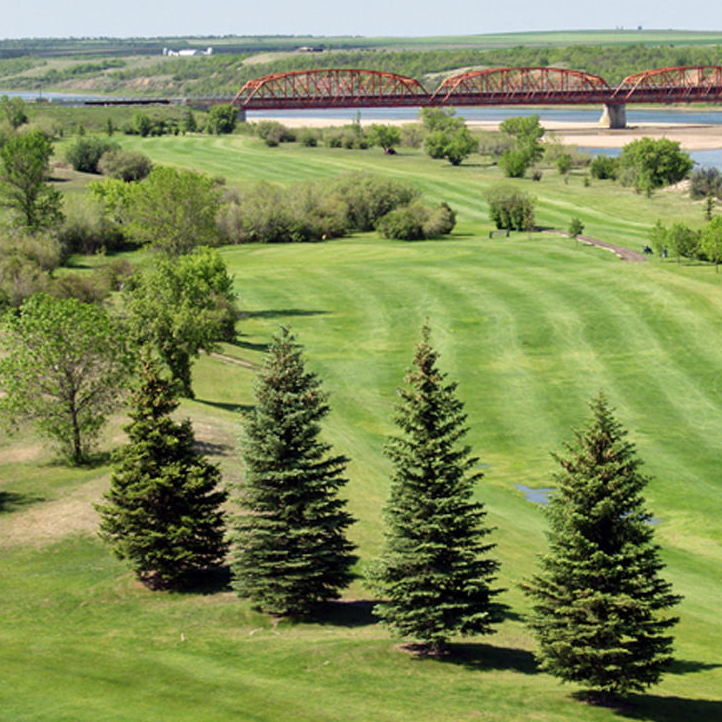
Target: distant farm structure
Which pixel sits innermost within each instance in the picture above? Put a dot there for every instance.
(187, 52)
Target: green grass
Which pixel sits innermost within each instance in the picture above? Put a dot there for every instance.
(531, 327)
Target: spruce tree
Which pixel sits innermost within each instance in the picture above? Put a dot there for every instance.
(290, 546)
(434, 572)
(598, 599)
(163, 512)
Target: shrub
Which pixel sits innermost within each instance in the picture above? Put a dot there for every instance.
(93, 288)
(564, 163)
(87, 229)
(221, 119)
(514, 163)
(416, 222)
(454, 144)
(576, 227)
(25, 265)
(412, 135)
(647, 164)
(125, 165)
(308, 137)
(370, 197)
(510, 208)
(272, 133)
(404, 224)
(705, 182)
(603, 167)
(86, 152)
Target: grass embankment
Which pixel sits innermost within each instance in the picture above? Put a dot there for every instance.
(531, 327)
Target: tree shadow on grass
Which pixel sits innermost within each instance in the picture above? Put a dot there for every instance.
(655, 708)
(236, 408)
(281, 313)
(211, 448)
(486, 657)
(345, 613)
(12, 501)
(690, 666)
(250, 345)
(207, 582)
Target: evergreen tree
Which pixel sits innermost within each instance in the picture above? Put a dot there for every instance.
(290, 545)
(434, 573)
(598, 596)
(163, 508)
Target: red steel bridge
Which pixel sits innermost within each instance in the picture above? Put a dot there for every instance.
(352, 88)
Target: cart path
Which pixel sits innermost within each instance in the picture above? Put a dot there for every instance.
(624, 253)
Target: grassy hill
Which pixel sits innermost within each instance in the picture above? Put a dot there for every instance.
(531, 326)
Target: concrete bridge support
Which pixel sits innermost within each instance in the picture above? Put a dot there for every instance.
(241, 115)
(614, 116)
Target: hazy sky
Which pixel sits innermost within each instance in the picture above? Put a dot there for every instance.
(126, 18)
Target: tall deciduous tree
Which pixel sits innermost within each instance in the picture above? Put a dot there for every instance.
(181, 307)
(711, 241)
(599, 601)
(173, 210)
(24, 170)
(291, 549)
(163, 512)
(435, 571)
(66, 367)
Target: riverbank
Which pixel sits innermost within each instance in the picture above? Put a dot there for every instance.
(691, 136)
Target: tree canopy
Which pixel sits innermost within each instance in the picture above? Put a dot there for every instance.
(163, 509)
(599, 601)
(181, 307)
(67, 366)
(435, 572)
(24, 171)
(290, 549)
(174, 211)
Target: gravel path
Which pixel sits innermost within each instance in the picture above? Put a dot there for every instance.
(624, 253)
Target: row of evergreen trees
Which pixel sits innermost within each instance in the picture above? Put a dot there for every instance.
(598, 599)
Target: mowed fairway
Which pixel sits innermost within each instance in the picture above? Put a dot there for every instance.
(531, 327)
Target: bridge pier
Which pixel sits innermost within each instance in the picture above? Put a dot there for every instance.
(614, 115)
(241, 115)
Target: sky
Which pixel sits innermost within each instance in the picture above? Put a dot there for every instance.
(148, 18)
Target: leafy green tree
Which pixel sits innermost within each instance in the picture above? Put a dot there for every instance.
(435, 572)
(564, 163)
(514, 163)
(222, 119)
(125, 165)
(711, 241)
(576, 227)
(384, 136)
(603, 167)
(658, 238)
(527, 133)
(181, 307)
(599, 602)
(510, 208)
(455, 144)
(142, 124)
(173, 210)
(647, 164)
(24, 171)
(66, 368)
(85, 153)
(163, 510)
(705, 182)
(683, 241)
(290, 549)
(14, 110)
(434, 119)
(189, 124)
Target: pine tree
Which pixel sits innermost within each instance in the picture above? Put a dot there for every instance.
(598, 597)
(434, 573)
(290, 548)
(163, 512)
